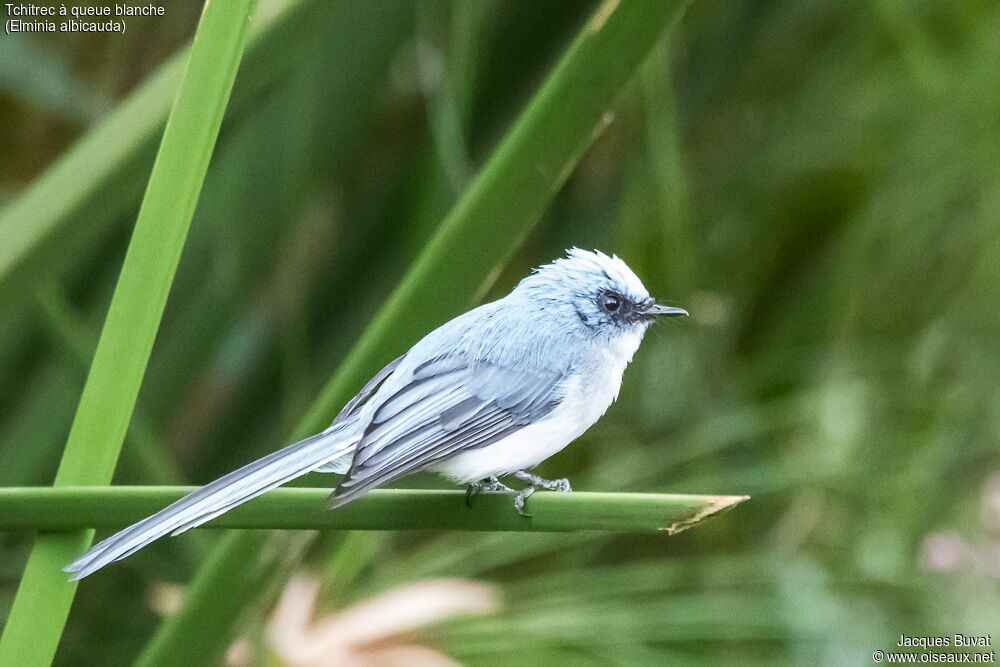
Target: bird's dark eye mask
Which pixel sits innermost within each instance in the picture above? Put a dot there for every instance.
(619, 308)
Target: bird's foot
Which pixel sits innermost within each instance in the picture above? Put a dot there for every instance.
(535, 482)
(489, 485)
(540, 483)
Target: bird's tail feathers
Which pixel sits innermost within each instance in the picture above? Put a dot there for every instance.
(221, 496)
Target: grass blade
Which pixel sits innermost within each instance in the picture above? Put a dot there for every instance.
(115, 507)
(498, 209)
(44, 596)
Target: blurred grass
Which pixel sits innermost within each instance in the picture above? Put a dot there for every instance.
(834, 237)
(107, 167)
(38, 614)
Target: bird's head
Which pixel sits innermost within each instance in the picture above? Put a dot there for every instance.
(601, 294)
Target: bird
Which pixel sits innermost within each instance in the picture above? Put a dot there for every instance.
(490, 393)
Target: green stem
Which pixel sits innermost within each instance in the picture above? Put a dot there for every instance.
(44, 596)
(69, 508)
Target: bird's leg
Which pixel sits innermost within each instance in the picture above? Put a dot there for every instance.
(519, 499)
(491, 484)
(540, 483)
(535, 482)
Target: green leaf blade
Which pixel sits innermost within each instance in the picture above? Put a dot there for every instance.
(42, 603)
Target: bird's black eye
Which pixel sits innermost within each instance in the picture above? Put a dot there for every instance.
(609, 302)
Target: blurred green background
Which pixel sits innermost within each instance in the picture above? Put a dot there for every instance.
(819, 184)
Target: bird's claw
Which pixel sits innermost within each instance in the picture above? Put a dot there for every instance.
(535, 482)
(489, 485)
(561, 484)
(519, 499)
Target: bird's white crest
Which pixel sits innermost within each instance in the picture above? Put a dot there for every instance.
(586, 267)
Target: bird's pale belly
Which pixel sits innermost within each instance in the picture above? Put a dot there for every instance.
(522, 450)
(536, 442)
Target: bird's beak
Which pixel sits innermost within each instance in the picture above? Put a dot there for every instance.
(668, 311)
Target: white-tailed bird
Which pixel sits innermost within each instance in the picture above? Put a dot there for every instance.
(493, 392)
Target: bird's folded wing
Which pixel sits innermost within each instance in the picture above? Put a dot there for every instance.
(451, 404)
(368, 390)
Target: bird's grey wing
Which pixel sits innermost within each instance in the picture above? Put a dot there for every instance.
(368, 389)
(339, 465)
(451, 404)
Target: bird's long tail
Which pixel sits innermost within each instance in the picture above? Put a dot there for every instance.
(225, 493)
